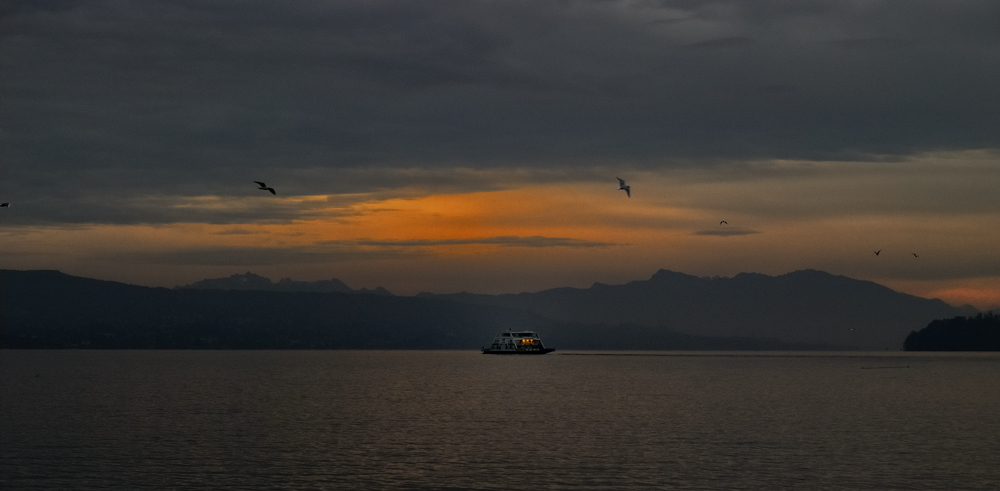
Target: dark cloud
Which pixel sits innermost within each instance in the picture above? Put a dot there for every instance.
(721, 43)
(263, 256)
(913, 190)
(335, 251)
(776, 88)
(236, 231)
(872, 43)
(503, 240)
(106, 103)
(84, 208)
(726, 232)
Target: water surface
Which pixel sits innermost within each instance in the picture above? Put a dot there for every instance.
(462, 420)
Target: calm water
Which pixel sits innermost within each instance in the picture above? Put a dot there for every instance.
(462, 420)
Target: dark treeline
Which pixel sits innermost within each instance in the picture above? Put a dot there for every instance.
(978, 333)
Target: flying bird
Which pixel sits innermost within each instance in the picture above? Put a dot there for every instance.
(265, 188)
(914, 254)
(878, 251)
(720, 223)
(4, 205)
(622, 185)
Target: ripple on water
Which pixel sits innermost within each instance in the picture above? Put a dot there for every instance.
(461, 420)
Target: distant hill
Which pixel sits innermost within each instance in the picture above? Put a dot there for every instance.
(803, 306)
(49, 309)
(979, 333)
(250, 281)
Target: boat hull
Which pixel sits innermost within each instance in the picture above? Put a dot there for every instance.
(487, 351)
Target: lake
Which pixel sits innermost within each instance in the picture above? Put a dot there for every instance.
(76, 419)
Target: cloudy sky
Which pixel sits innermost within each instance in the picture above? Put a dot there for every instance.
(471, 145)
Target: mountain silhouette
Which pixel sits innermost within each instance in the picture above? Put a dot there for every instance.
(804, 309)
(805, 306)
(250, 281)
(49, 309)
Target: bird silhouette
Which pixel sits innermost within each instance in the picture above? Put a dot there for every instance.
(4, 205)
(878, 251)
(914, 254)
(265, 188)
(720, 223)
(622, 185)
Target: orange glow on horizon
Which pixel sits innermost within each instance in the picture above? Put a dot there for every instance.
(523, 239)
(981, 298)
(526, 212)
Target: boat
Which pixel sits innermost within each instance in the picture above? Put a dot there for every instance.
(517, 343)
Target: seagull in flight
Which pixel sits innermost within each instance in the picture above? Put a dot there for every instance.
(720, 223)
(265, 188)
(878, 251)
(626, 187)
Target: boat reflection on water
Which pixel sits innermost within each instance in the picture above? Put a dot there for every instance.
(517, 343)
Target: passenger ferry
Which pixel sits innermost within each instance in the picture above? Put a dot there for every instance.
(517, 343)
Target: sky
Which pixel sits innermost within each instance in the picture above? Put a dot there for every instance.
(474, 145)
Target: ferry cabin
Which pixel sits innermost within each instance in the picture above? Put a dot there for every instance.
(517, 342)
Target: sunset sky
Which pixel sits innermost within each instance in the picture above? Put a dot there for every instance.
(468, 145)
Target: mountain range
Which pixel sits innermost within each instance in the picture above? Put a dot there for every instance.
(49, 309)
(803, 306)
(250, 281)
(800, 310)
